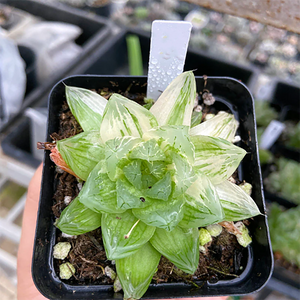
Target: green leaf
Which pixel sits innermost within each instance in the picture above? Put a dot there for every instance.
(196, 118)
(156, 168)
(176, 137)
(223, 125)
(99, 192)
(78, 219)
(202, 205)
(216, 157)
(180, 246)
(149, 151)
(184, 174)
(86, 106)
(134, 55)
(82, 152)
(133, 173)
(123, 117)
(114, 229)
(161, 214)
(116, 150)
(161, 189)
(237, 204)
(130, 197)
(175, 104)
(136, 271)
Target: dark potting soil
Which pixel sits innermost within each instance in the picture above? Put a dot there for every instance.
(224, 258)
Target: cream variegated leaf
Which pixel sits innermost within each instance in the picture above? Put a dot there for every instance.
(216, 157)
(123, 117)
(86, 106)
(237, 204)
(202, 206)
(175, 104)
(223, 125)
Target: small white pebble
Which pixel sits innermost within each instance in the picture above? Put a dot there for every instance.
(61, 250)
(67, 200)
(113, 262)
(79, 185)
(117, 285)
(202, 249)
(68, 236)
(236, 139)
(66, 270)
(109, 272)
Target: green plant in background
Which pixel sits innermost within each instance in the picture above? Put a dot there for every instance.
(135, 60)
(285, 181)
(151, 182)
(293, 136)
(264, 113)
(265, 156)
(285, 231)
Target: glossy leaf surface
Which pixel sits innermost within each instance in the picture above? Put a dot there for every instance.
(78, 219)
(82, 152)
(216, 157)
(123, 117)
(202, 205)
(237, 204)
(180, 246)
(114, 229)
(86, 106)
(99, 192)
(136, 271)
(175, 104)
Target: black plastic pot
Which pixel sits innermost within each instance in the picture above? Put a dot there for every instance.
(94, 30)
(259, 266)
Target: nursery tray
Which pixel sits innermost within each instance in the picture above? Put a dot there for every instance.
(258, 269)
(94, 30)
(112, 58)
(289, 114)
(285, 94)
(17, 143)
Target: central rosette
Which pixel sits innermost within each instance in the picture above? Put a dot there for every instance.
(148, 175)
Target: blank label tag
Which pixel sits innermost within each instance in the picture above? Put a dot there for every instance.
(169, 42)
(271, 134)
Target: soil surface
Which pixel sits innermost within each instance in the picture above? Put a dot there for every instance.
(224, 258)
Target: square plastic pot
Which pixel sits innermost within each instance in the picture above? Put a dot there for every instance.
(94, 31)
(229, 93)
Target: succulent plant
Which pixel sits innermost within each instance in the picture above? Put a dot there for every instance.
(150, 181)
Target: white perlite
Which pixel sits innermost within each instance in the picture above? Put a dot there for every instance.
(61, 250)
(67, 200)
(244, 238)
(214, 229)
(66, 271)
(109, 272)
(117, 285)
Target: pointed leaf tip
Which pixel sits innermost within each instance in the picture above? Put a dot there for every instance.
(175, 104)
(86, 106)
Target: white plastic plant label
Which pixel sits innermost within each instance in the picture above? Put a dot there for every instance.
(169, 42)
(271, 134)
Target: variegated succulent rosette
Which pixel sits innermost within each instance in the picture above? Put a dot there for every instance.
(151, 181)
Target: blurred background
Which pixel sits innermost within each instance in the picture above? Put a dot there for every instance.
(42, 42)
